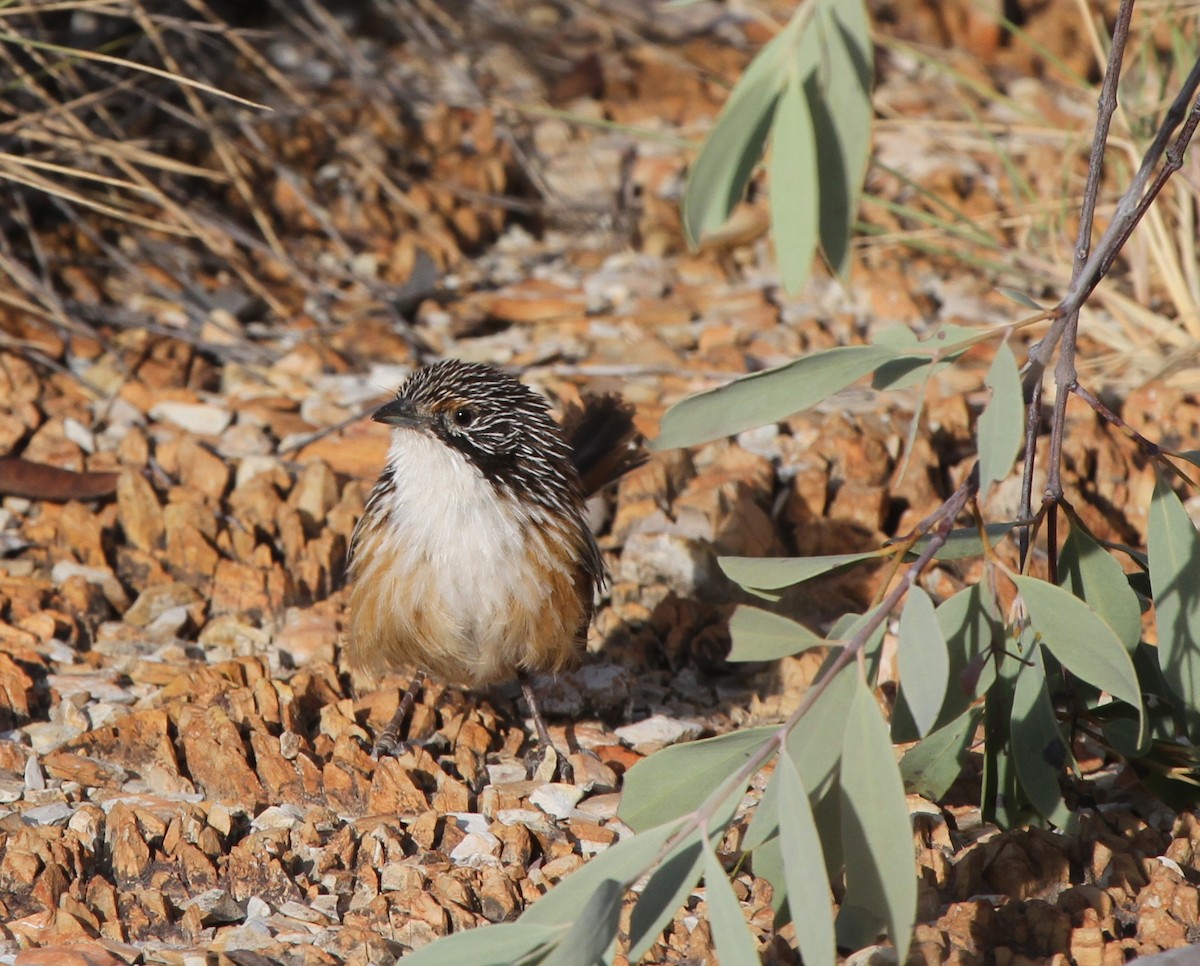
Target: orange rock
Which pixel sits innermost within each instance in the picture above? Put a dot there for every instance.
(81, 531)
(534, 308)
(216, 757)
(139, 512)
(50, 445)
(15, 689)
(239, 588)
(451, 795)
(253, 870)
(968, 925)
(865, 506)
(360, 451)
(346, 788)
(49, 886)
(1156, 930)
(1087, 941)
(202, 469)
(87, 771)
(315, 492)
(74, 954)
(130, 854)
(394, 792)
(190, 557)
(498, 898)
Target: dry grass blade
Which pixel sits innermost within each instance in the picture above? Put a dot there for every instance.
(1159, 267)
(131, 152)
(12, 169)
(76, 53)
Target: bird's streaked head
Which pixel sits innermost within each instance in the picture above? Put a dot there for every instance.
(499, 425)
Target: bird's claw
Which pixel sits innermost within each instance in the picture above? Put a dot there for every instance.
(547, 764)
(389, 745)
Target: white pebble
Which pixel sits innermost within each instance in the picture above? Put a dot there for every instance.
(200, 419)
(556, 798)
(505, 771)
(278, 816)
(56, 813)
(477, 849)
(35, 780)
(470, 822)
(520, 816)
(658, 729)
(256, 908)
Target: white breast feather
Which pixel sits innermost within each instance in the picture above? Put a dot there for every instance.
(466, 539)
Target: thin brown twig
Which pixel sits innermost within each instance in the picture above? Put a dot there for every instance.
(1130, 210)
(1151, 449)
(1033, 428)
(1105, 109)
(1065, 372)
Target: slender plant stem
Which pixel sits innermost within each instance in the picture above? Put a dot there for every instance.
(1039, 354)
(1136, 201)
(1130, 210)
(1150, 448)
(1033, 426)
(1065, 373)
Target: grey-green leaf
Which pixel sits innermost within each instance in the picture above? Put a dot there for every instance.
(970, 631)
(665, 891)
(718, 177)
(677, 779)
(815, 747)
(1002, 424)
(594, 931)
(1039, 751)
(923, 661)
(930, 766)
(759, 635)
(881, 877)
(625, 862)
(499, 945)
(767, 397)
(793, 187)
(840, 102)
(767, 862)
(1019, 297)
(1175, 577)
(1091, 573)
(772, 573)
(731, 932)
(1079, 638)
(804, 868)
(815, 744)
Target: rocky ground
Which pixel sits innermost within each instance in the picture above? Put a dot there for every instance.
(185, 773)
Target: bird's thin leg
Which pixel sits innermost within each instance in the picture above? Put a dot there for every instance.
(388, 742)
(539, 722)
(562, 767)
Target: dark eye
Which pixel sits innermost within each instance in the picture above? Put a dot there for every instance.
(463, 417)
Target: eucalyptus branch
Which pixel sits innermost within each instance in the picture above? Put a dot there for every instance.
(1134, 203)
(1151, 449)
(944, 517)
(1065, 373)
(1130, 209)
(1033, 426)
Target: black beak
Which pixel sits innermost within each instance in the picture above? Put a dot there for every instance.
(399, 412)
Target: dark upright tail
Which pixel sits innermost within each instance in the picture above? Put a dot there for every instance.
(605, 444)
